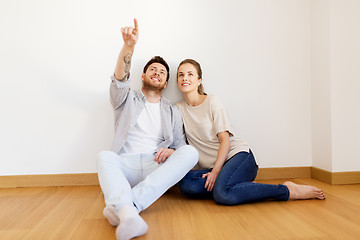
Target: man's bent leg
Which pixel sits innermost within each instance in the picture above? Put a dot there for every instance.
(165, 176)
(114, 185)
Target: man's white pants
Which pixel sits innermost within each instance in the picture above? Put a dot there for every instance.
(128, 179)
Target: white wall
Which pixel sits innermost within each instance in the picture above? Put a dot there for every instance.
(320, 85)
(345, 80)
(335, 62)
(56, 58)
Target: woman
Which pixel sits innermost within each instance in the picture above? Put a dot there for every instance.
(227, 167)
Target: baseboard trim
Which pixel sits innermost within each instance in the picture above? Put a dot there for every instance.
(82, 179)
(283, 173)
(46, 180)
(321, 175)
(335, 178)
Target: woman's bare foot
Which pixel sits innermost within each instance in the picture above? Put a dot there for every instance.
(303, 191)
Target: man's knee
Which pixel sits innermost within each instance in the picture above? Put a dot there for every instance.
(104, 158)
(192, 155)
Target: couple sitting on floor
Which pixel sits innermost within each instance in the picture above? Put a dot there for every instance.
(149, 153)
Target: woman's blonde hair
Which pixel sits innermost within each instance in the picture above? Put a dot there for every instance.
(199, 72)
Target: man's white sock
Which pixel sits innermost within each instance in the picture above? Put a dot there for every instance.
(131, 224)
(111, 215)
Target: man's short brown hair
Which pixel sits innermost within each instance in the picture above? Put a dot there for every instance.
(158, 59)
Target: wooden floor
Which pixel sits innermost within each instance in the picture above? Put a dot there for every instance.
(76, 213)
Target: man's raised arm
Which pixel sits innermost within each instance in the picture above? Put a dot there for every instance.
(130, 36)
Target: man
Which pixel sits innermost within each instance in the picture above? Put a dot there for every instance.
(149, 153)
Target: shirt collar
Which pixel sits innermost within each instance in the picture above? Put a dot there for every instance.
(140, 95)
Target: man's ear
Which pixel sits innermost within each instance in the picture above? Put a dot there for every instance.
(166, 83)
(142, 76)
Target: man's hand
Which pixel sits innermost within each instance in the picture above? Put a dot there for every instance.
(131, 34)
(163, 154)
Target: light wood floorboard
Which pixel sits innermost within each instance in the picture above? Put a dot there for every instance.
(76, 213)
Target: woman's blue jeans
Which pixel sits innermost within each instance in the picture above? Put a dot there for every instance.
(233, 184)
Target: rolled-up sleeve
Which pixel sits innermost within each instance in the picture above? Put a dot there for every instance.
(118, 91)
(178, 129)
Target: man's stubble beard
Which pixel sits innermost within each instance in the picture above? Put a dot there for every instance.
(151, 87)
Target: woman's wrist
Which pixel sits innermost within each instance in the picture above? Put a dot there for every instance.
(216, 170)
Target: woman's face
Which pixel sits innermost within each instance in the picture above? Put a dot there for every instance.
(188, 78)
